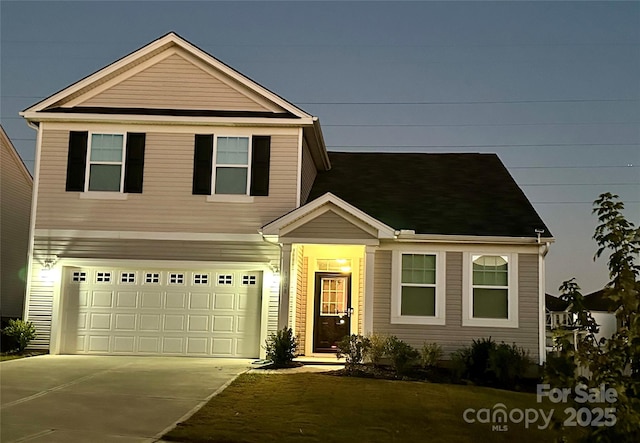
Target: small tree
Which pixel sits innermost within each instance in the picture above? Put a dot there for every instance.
(21, 331)
(614, 362)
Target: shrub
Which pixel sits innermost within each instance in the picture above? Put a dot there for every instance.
(281, 347)
(430, 354)
(21, 331)
(377, 350)
(488, 363)
(403, 356)
(352, 348)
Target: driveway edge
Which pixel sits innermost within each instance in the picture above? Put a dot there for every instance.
(196, 408)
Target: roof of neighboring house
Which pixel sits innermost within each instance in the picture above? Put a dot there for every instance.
(448, 194)
(554, 303)
(597, 301)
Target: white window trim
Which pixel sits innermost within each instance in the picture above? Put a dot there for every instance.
(233, 198)
(467, 293)
(105, 195)
(396, 290)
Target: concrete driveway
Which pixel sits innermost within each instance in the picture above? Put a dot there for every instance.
(104, 399)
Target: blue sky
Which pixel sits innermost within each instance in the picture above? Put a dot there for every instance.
(552, 88)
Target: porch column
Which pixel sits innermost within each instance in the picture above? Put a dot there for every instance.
(285, 270)
(369, 264)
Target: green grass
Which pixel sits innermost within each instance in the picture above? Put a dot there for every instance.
(323, 408)
(4, 357)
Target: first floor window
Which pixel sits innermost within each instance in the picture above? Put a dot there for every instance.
(418, 288)
(418, 293)
(490, 286)
(490, 294)
(105, 162)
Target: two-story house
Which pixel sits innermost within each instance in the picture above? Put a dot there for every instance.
(184, 209)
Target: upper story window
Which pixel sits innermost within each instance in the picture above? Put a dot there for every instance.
(418, 295)
(231, 166)
(105, 163)
(490, 290)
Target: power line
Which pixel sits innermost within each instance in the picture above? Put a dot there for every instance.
(477, 102)
(573, 167)
(576, 202)
(457, 125)
(484, 146)
(580, 184)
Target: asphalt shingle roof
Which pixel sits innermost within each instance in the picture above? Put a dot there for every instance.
(451, 194)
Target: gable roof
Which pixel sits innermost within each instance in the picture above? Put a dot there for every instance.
(553, 303)
(151, 54)
(598, 301)
(6, 143)
(446, 194)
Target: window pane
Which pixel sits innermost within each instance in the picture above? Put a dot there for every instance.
(106, 147)
(490, 270)
(418, 301)
(104, 178)
(418, 268)
(231, 180)
(233, 151)
(490, 303)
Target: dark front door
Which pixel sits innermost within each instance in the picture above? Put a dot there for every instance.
(332, 310)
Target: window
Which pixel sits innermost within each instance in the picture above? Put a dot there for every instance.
(105, 162)
(418, 288)
(200, 279)
(103, 277)
(225, 279)
(152, 278)
(127, 277)
(249, 280)
(176, 279)
(491, 292)
(79, 276)
(231, 168)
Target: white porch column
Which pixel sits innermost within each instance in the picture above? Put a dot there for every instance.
(369, 264)
(285, 271)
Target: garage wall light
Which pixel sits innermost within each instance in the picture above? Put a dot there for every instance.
(47, 273)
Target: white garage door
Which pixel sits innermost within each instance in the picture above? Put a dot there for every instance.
(199, 312)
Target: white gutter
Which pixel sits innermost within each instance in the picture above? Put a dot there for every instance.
(408, 236)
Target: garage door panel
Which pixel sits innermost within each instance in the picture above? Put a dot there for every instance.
(200, 301)
(199, 323)
(223, 301)
(150, 322)
(124, 344)
(147, 312)
(174, 323)
(126, 299)
(125, 322)
(151, 300)
(175, 300)
(100, 321)
(222, 323)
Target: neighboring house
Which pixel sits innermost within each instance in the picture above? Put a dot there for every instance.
(559, 321)
(183, 209)
(603, 310)
(16, 187)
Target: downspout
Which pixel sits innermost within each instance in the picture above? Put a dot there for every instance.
(543, 250)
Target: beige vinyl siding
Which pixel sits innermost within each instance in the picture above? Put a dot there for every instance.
(39, 308)
(167, 203)
(453, 335)
(360, 295)
(174, 83)
(329, 225)
(15, 209)
(309, 173)
(100, 248)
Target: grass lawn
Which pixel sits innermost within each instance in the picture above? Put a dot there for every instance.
(309, 407)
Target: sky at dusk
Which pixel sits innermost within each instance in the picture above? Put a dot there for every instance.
(552, 87)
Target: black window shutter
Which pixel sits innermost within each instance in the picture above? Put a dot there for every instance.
(202, 164)
(77, 160)
(260, 158)
(134, 163)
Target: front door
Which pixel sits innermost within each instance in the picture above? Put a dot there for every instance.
(332, 310)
